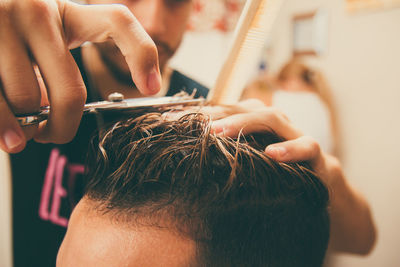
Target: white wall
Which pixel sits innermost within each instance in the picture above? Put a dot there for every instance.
(201, 55)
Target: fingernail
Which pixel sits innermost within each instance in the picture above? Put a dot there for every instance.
(217, 128)
(154, 81)
(12, 139)
(276, 151)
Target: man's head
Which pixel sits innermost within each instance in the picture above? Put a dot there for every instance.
(171, 193)
(164, 20)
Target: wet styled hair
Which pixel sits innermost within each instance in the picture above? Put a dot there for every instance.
(239, 206)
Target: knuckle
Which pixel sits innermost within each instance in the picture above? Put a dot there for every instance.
(335, 165)
(252, 104)
(280, 115)
(146, 58)
(37, 11)
(6, 15)
(38, 7)
(149, 48)
(25, 102)
(271, 115)
(120, 16)
(5, 10)
(314, 145)
(310, 147)
(274, 110)
(76, 97)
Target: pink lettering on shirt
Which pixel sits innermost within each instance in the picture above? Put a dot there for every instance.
(53, 190)
(47, 186)
(58, 193)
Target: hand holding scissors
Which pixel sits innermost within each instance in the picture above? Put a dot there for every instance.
(41, 32)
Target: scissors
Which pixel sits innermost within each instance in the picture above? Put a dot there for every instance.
(116, 102)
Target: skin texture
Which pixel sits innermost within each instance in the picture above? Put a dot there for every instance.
(118, 244)
(42, 32)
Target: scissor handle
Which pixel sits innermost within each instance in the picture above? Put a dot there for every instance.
(32, 119)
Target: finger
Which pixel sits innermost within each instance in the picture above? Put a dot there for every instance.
(20, 90)
(218, 112)
(98, 23)
(66, 91)
(255, 105)
(212, 112)
(267, 119)
(18, 78)
(174, 115)
(221, 111)
(301, 149)
(251, 104)
(12, 138)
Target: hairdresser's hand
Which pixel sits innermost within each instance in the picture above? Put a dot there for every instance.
(252, 116)
(352, 226)
(42, 32)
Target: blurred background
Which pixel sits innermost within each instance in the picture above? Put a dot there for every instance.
(355, 44)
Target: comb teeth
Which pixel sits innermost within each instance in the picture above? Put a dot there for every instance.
(253, 29)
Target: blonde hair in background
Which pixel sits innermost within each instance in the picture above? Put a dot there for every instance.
(318, 84)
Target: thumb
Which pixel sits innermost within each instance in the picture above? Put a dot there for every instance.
(301, 149)
(99, 23)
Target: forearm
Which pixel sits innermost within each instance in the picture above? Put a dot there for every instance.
(352, 226)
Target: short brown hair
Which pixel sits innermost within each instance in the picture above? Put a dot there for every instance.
(240, 207)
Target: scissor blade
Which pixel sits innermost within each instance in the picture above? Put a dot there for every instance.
(127, 105)
(134, 103)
